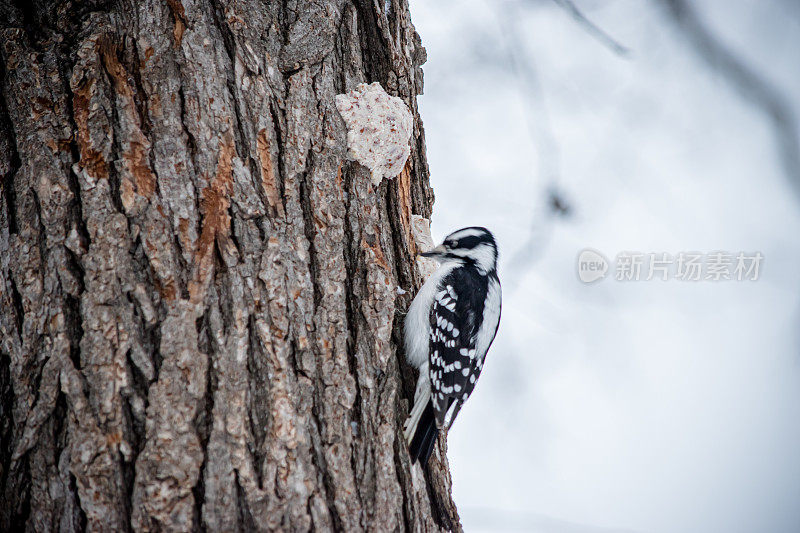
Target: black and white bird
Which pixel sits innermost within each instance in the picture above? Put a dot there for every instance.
(449, 327)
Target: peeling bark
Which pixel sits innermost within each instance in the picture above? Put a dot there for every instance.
(199, 307)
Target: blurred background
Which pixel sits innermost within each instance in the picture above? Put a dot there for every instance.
(665, 126)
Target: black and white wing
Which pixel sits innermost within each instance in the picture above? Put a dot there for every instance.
(456, 347)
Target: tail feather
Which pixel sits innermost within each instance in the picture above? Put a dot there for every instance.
(421, 446)
(427, 450)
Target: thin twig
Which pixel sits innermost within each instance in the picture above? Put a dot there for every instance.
(593, 29)
(537, 120)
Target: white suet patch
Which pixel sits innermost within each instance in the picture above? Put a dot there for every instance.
(378, 129)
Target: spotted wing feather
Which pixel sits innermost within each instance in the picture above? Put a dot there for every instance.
(454, 361)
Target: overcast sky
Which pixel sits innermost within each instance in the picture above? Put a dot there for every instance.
(650, 406)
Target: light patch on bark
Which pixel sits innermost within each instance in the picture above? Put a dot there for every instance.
(423, 241)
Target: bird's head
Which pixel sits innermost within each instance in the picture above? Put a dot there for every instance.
(468, 245)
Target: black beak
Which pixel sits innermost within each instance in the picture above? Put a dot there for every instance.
(436, 252)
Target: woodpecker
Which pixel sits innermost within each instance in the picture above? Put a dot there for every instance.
(448, 329)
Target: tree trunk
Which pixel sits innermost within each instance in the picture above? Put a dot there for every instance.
(200, 300)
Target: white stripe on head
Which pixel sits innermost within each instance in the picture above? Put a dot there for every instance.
(467, 232)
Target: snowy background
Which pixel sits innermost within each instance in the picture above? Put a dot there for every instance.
(651, 406)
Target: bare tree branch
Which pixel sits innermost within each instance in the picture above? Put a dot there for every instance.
(747, 82)
(593, 29)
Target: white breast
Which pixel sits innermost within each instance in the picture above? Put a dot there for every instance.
(491, 317)
(417, 328)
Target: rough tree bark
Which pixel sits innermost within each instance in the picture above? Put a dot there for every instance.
(200, 315)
